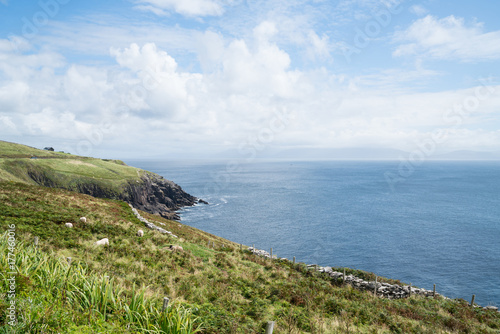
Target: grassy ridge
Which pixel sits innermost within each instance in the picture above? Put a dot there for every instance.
(109, 178)
(13, 150)
(60, 168)
(221, 289)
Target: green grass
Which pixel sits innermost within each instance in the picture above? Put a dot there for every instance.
(54, 295)
(223, 290)
(13, 150)
(66, 171)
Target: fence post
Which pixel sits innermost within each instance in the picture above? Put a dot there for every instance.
(409, 291)
(375, 290)
(434, 291)
(472, 301)
(270, 327)
(271, 253)
(165, 304)
(294, 260)
(36, 242)
(343, 277)
(241, 247)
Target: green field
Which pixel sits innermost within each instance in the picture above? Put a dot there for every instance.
(25, 164)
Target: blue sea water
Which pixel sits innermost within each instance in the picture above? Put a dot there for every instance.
(438, 224)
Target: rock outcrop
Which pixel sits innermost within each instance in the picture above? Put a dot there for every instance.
(148, 192)
(154, 194)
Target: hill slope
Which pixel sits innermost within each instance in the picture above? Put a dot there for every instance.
(100, 178)
(219, 287)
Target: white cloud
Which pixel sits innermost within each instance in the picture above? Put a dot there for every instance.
(319, 46)
(184, 7)
(418, 10)
(155, 105)
(448, 38)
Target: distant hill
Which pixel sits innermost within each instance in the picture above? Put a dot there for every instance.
(97, 177)
(468, 155)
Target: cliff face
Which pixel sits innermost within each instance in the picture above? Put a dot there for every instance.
(96, 177)
(156, 195)
(151, 192)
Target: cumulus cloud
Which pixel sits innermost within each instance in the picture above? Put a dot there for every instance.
(145, 99)
(448, 38)
(183, 7)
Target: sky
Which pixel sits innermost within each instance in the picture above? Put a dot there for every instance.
(252, 78)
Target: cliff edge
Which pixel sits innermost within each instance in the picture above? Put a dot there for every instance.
(101, 178)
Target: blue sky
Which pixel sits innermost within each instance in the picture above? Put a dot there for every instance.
(203, 78)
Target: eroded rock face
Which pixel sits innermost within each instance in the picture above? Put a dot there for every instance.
(151, 192)
(156, 195)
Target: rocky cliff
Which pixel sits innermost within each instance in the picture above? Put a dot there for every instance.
(156, 195)
(96, 177)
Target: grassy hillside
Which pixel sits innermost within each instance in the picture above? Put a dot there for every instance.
(13, 150)
(97, 177)
(25, 164)
(119, 288)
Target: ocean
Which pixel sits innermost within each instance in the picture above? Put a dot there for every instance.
(438, 223)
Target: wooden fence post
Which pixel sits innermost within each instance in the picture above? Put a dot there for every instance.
(472, 301)
(36, 242)
(343, 277)
(375, 290)
(409, 291)
(165, 304)
(434, 291)
(270, 327)
(271, 253)
(294, 260)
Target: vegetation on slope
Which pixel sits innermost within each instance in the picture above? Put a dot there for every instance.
(100, 178)
(222, 289)
(18, 163)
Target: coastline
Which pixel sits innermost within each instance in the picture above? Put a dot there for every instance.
(379, 289)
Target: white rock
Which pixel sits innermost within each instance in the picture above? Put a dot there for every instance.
(101, 242)
(140, 233)
(69, 225)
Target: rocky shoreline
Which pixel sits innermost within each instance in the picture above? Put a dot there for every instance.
(157, 195)
(382, 290)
